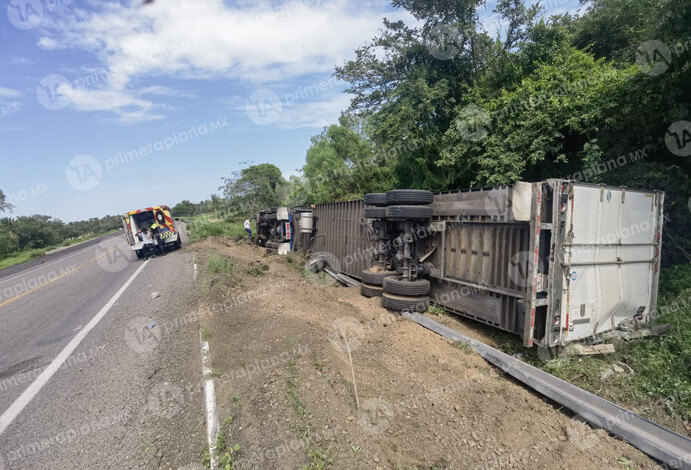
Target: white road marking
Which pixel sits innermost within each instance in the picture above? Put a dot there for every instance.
(210, 396)
(25, 398)
(2, 281)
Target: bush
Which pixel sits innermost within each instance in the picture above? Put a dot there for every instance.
(204, 228)
(675, 279)
(219, 264)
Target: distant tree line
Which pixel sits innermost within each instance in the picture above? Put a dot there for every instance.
(42, 231)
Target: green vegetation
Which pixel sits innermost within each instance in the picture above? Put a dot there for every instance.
(203, 227)
(255, 271)
(465, 347)
(318, 459)
(434, 310)
(292, 388)
(446, 105)
(226, 454)
(660, 364)
(25, 238)
(219, 264)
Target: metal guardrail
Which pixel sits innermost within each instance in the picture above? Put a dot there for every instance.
(657, 441)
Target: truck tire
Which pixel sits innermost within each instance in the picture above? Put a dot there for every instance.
(139, 253)
(401, 286)
(375, 212)
(370, 291)
(409, 212)
(409, 196)
(403, 303)
(178, 243)
(375, 199)
(374, 277)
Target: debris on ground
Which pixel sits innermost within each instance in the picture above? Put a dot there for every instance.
(590, 350)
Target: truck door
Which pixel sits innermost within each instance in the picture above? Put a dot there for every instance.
(128, 229)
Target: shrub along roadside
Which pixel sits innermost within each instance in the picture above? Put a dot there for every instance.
(203, 227)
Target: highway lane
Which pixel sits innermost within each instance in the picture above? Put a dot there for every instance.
(43, 307)
(102, 408)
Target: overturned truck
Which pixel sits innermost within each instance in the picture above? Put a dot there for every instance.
(554, 261)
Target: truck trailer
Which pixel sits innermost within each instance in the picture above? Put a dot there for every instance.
(554, 261)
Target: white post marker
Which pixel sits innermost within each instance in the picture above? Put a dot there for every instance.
(25, 398)
(210, 398)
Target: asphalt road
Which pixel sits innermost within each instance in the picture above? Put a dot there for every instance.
(94, 371)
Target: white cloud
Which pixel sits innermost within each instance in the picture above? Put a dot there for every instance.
(165, 91)
(313, 113)
(205, 39)
(8, 93)
(129, 108)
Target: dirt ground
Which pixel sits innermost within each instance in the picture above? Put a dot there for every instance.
(282, 343)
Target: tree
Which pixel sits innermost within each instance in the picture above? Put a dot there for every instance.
(4, 205)
(342, 165)
(216, 204)
(185, 209)
(253, 188)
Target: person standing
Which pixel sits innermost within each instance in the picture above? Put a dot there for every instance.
(157, 229)
(248, 227)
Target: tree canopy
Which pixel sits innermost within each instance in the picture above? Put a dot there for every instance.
(596, 97)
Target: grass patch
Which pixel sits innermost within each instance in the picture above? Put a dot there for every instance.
(28, 255)
(662, 375)
(203, 227)
(318, 459)
(465, 347)
(255, 271)
(292, 387)
(227, 455)
(218, 264)
(434, 310)
(205, 334)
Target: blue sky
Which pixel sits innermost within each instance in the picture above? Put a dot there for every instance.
(107, 106)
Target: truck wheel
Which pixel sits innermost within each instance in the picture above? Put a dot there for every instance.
(401, 286)
(375, 199)
(409, 196)
(374, 277)
(370, 291)
(409, 212)
(178, 243)
(403, 303)
(140, 255)
(375, 212)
